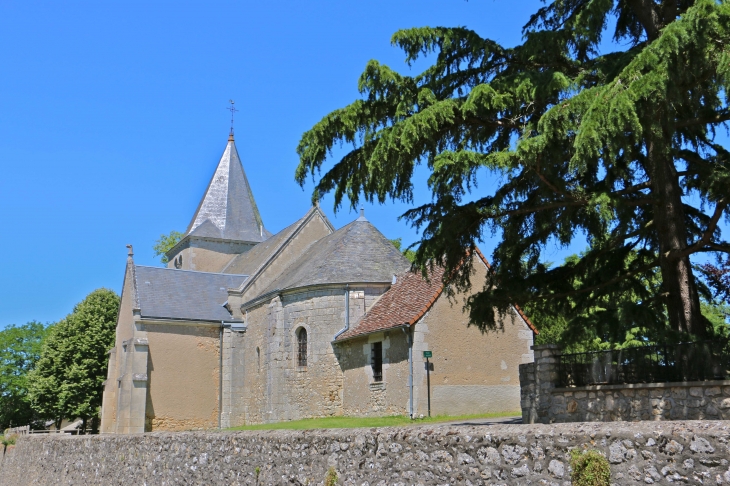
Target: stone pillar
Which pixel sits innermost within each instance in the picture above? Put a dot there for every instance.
(537, 380)
(132, 384)
(138, 399)
(109, 397)
(528, 393)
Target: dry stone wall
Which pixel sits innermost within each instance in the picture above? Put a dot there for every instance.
(639, 453)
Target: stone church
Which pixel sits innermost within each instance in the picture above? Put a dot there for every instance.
(246, 327)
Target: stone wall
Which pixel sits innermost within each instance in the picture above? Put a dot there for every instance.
(276, 388)
(183, 375)
(471, 372)
(639, 453)
(205, 254)
(363, 396)
(543, 402)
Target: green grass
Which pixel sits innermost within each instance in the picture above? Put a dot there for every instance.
(354, 422)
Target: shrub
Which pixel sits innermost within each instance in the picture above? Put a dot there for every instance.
(9, 439)
(331, 478)
(590, 468)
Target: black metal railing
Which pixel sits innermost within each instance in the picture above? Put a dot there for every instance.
(698, 361)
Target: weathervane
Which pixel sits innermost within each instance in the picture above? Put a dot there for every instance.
(233, 110)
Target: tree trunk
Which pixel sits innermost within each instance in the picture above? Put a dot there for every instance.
(680, 290)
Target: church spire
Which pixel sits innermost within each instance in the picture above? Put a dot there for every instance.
(228, 209)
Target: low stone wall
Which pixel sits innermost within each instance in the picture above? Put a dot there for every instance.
(543, 402)
(653, 401)
(639, 453)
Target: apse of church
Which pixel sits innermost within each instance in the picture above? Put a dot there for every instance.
(245, 326)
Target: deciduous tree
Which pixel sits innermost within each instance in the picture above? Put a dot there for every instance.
(618, 148)
(67, 379)
(408, 253)
(165, 243)
(20, 349)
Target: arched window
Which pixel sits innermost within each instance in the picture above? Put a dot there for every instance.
(302, 347)
(258, 359)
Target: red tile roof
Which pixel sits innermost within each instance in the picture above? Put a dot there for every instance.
(406, 302)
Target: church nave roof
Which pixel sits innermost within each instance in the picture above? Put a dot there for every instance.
(167, 293)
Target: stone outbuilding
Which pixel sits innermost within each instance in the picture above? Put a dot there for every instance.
(245, 327)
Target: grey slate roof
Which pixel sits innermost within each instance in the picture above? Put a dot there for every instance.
(228, 209)
(357, 252)
(247, 263)
(183, 294)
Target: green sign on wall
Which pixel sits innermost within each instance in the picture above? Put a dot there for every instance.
(427, 354)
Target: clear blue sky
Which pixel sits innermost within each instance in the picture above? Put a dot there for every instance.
(112, 119)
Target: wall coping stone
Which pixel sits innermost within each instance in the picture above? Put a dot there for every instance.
(540, 347)
(674, 384)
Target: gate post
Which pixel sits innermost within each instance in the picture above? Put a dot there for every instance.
(537, 380)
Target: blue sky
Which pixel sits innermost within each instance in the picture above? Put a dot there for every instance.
(113, 117)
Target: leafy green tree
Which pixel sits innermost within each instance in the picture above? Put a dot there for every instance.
(718, 315)
(408, 253)
(165, 243)
(619, 148)
(20, 349)
(67, 379)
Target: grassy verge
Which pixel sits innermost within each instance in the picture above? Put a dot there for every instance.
(354, 422)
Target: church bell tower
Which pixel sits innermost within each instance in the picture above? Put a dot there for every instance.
(227, 221)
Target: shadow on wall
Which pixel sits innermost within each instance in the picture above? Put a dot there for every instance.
(149, 407)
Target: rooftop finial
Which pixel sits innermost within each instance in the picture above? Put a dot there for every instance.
(233, 110)
(362, 211)
(130, 252)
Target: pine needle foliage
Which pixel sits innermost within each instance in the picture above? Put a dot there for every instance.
(619, 148)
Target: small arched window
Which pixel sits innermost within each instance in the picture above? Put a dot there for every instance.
(258, 359)
(302, 347)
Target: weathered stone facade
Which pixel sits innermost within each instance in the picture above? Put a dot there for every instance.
(365, 397)
(276, 388)
(213, 340)
(638, 453)
(206, 254)
(544, 402)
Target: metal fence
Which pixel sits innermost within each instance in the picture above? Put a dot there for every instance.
(698, 361)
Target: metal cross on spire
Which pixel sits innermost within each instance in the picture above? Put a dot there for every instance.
(233, 110)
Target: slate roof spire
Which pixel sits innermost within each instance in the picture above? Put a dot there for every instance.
(228, 209)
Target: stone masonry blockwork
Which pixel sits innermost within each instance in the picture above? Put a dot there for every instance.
(543, 402)
(638, 453)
